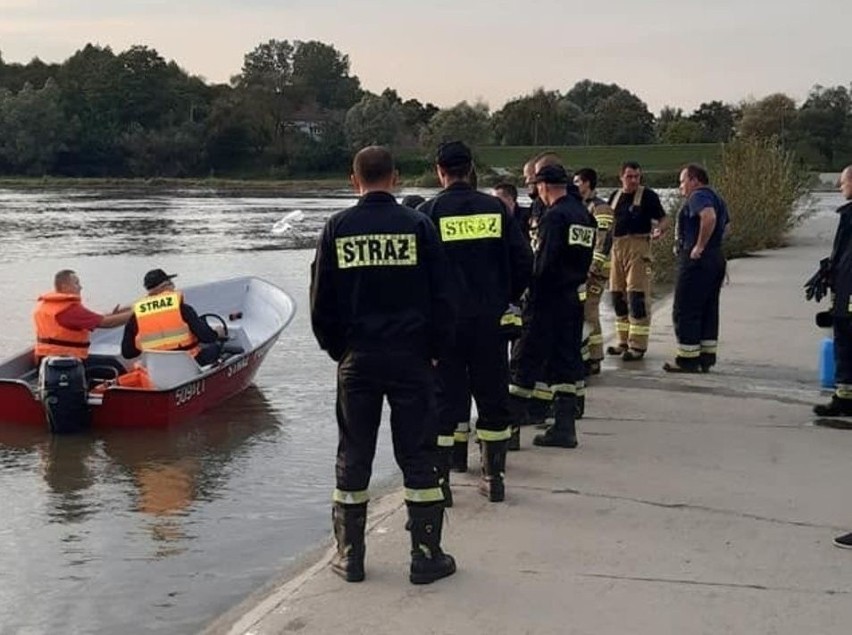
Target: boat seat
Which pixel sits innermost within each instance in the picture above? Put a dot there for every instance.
(169, 368)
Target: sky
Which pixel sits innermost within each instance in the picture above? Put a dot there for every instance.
(669, 52)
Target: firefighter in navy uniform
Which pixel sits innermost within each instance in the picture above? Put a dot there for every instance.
(553, 315)
(836, 274)
(491, 263)
(701, 226)
(382, 308)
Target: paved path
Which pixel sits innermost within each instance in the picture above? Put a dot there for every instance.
(695, 504)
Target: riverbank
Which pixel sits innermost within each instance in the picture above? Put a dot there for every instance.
(238, 186)
(695, 504)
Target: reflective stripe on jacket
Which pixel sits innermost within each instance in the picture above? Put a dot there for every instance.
(161, 326)
(51, 337)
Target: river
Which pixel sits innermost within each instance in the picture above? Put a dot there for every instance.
(161, 531)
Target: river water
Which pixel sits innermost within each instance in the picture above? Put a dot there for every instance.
(161, 531)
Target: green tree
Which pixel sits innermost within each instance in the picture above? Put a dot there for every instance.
(622, 118)
(92, 98)
(716, 121)
(668, 116)
(682, 131)
(462, 122)
(772, 116)
(588, 95)
(373, 120)
(268, 67)
(33, 129)
(542, 118)
(824, 127)
(321, 74)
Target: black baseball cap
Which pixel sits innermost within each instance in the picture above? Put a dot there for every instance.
(453, 154)
(156, 277)
(553, 174)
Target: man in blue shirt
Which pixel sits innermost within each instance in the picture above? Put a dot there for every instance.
(701, 226)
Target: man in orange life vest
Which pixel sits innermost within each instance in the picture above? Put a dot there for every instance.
(162, 321)
(63, 325)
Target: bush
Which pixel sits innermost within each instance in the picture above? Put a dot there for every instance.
(763, 185)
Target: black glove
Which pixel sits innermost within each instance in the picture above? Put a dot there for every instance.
(511, 322)
(818, 285)
(824, 319)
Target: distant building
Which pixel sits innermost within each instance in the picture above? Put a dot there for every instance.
(309, 121)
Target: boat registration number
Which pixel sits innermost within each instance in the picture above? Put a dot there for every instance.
(236, 367)
(187, 393)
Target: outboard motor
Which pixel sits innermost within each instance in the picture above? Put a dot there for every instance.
(64, 393)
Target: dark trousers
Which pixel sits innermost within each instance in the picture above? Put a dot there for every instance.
(477, 366)
(695, 314)
(406, 379)
(549, 348)
(843, 356)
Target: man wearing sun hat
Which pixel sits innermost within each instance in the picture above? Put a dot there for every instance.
(162, 321)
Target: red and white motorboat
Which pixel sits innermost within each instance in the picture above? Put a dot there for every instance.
(255, 313)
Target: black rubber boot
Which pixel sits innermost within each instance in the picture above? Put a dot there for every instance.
(514, 442)
(580, 408)
(428, 561)
(616, 350)
(633, 355)
(548, 417)
(707, 361)
(837, 407)
(493, 462)
(349, 522)
(593, 367)
(683, 365)
(458, 462)
(563, 432)
(445, 458)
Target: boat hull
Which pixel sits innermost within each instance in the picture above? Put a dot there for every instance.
(124, 407)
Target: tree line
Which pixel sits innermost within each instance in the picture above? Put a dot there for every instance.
(296, 109)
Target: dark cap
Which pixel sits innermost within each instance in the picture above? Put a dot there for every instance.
(453, 154)
(156, 277)
(553, 174)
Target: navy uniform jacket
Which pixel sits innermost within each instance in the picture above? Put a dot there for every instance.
(380, 281)
(490, 258)
(841, 264)
(566, 241)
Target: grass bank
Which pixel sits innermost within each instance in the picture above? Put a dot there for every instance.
(660, 163)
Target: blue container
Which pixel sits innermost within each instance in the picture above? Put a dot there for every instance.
(826, 363)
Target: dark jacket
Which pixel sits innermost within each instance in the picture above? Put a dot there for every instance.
(490, 258)
(566, 241)
(380, 281)
(199, 328)
(841, 263)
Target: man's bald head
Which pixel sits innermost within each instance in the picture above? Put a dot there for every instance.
(846, 183)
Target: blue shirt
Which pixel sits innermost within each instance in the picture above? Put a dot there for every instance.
(689, 221)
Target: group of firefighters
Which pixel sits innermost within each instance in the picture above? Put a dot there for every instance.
(419, 307)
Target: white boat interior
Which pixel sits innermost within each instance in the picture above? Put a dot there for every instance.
(252, 309)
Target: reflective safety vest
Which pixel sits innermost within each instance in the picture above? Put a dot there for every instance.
(160, 325)
(53, 338)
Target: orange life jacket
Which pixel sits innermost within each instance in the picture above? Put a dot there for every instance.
(161, 327)
(51, 337)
